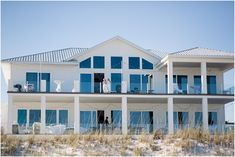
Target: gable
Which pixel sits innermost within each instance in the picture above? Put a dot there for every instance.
(117, 47)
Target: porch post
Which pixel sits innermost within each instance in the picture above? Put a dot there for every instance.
(9, 114)
(170, 77)
(76, 115)
(43, 114)
(124, 115)
(170, 116)
(57, 117)
(203, 78)
(27, 122)
(205, 113)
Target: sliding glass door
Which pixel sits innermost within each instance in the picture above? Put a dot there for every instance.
(197, 85)
(180, 120)
(211, 84)
(182, 81)
(34, 79)
(141, 121)
(85, 83)
(87, 121)
(116, 118)
(116, 82)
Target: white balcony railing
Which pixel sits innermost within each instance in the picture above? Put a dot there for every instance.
(60, 86)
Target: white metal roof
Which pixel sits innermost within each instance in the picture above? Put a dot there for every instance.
(56, 56)
(66, 55)
(161, 54)
(202, 52)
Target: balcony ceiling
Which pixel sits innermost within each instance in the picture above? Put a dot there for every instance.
(147, 100)
(209, 65)
(98, 99)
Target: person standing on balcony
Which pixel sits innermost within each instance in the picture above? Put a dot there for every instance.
(109, 85)
(105, 86)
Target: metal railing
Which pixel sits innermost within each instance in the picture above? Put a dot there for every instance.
(88, 87)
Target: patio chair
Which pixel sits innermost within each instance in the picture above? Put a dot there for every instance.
(196, 89)
(176, 89)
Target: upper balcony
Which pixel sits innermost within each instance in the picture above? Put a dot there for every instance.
(144, 87)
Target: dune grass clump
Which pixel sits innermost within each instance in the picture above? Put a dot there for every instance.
(158, 135)
(138, 152)
(194, 134)
(30, 140)
(9, 145)
(73, 140)
(154, 147)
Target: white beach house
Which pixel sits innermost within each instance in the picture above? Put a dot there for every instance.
(149, 90)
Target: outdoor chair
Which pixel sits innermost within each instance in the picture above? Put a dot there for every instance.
(176, 89)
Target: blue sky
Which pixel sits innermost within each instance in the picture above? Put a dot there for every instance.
(32, 27)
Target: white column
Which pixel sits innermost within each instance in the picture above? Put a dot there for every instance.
(203, 78)
(9, 114)
(124, 87)
(43, 114)
(221, 119)
(57, 117)
(43, 86)
(76, 86)
(10, 86)
(76, 115)
(170, 77)
(205, 113)
(170, 116)
(27, 122)
(124, 115)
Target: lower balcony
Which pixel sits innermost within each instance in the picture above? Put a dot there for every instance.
(86, 113)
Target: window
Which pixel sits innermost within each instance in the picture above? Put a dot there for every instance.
(135, 119)
(197, 84)
(85, 83)
(198, 119)
(116, 118)
(135, 83)
(212, 118)
(166, 81)
(211, 84)
(134, 63)
(183, 119)
(146, 117)
(146, 64)
(63, 117)
(34, 116)
(98, 82)
(32, 78)
(144, 83)
(87, 120)
(85, 63)
(22, 117)
(116, 81)
(50, 117)
(116, 62)
(141, 119)
(180, 119)
(98, 62)
(182, 81)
